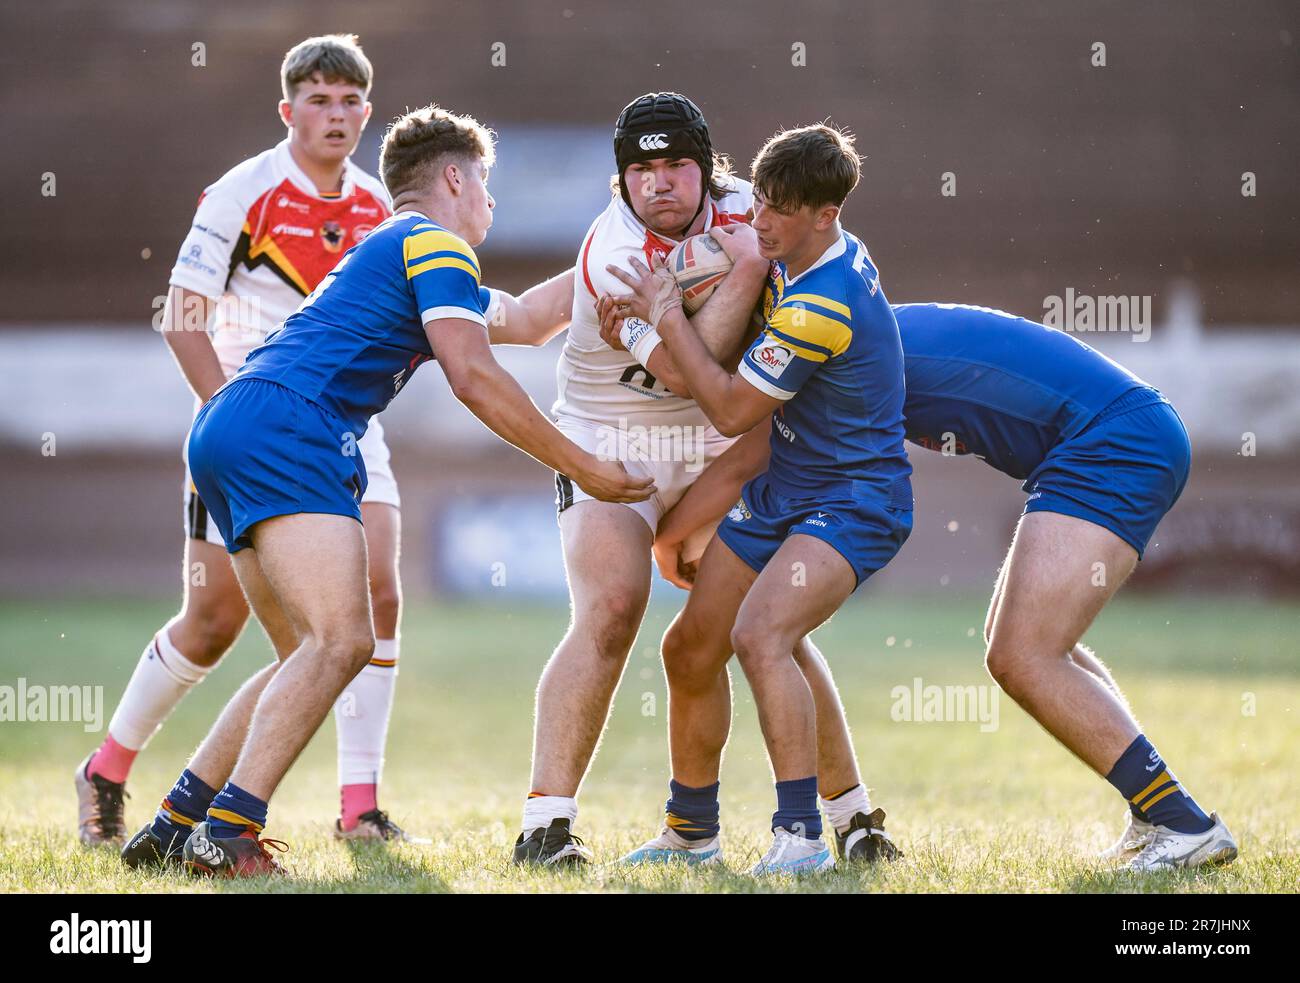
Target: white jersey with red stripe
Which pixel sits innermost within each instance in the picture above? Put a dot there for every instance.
(263, 238)
(604, 385)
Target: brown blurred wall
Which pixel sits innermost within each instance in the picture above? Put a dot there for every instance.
(1107, 179)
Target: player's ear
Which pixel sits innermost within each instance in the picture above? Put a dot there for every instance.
(286, 112)
(366, 118)
(826, 216)
(451, 173)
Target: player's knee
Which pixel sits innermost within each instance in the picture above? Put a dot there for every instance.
(348, 648)
(1007, 668)
(614, 622)
(386, 603)
(687, 664)
(204, 634)
(755, 644)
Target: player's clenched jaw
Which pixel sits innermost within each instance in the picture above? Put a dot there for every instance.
(325, 81)
(666, 194)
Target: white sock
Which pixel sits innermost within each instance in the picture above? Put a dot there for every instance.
(539, 810)
(161, 678)
(361, 715)
(840, 811)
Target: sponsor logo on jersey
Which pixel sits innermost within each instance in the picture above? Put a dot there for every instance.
(284, 201)
(653, 141)
(285, 229)
(211, 232)
(361, 231)
(783, 428)
(773, 357)
(363, 210)
(194, 260)
(331, 234)
(636, 330)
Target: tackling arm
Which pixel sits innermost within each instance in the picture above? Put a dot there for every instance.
(708, 500)
(494, 396)
(535, 316)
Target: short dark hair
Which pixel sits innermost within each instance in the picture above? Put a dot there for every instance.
(334, 57)
(810, 165)
(417, 141)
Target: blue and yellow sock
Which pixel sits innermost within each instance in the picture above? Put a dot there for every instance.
(184, 806)
(235, 811)
(1153, 792)
(692, 813)
(796, 808)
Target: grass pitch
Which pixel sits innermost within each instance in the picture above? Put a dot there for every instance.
(1216, 685)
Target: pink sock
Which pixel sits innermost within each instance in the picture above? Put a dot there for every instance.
(112, 761)
(358, 799)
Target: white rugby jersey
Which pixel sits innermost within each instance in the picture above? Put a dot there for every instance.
(263, 238)
(597, 382)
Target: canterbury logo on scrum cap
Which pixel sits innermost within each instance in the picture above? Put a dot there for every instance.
(653, 141)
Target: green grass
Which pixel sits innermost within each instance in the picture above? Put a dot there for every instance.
(1007, 810)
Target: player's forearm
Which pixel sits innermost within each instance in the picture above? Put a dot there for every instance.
(494, 396)
(535, 316)
(663, 367)
(723, 322)
(718, 488)
(184, 329)
(710, 384)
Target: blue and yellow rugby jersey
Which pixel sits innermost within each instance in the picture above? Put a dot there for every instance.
(830, 351)
(1006, 389)
(359, 336)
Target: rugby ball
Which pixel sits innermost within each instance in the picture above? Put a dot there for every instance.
(698, 264)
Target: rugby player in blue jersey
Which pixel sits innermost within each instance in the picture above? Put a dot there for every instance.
(833, 506)
(1103, 457)
(274, 457)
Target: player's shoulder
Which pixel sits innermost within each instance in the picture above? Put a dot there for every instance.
(426, 245)
(817, 309)
(851, 280)
(614, 235)
(615, 228)
(736, 200)
(247, 181)
(827, 286)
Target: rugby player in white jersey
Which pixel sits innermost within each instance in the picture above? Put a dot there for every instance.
(670, 185)
(263, 237)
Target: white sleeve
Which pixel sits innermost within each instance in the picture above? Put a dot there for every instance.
(493, 307)
(639, 338)
(203, 264)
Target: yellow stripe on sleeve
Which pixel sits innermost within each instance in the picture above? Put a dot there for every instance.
(800, 324)
(442, 262)
(436, 241)
(812, 355)
(826, 302)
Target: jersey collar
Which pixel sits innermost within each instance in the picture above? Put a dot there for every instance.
(289, 168)
(833, 251)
